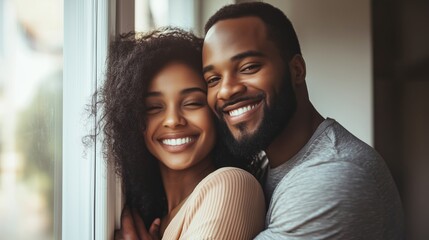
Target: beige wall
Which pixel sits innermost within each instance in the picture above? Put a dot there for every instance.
(335, 38)
(208, 8)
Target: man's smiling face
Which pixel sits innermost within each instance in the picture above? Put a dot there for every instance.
(247, 80)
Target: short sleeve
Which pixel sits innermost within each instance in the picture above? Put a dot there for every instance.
(228, 204)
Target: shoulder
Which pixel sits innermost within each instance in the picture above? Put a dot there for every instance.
(336, 186)
(230, 186)
(335, 176)
(228, 177)
(323, 199)
(336, 159)
(227, 204)
(348, 147)
(229, 171)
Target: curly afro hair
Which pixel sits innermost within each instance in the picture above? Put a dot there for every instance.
(133, 60)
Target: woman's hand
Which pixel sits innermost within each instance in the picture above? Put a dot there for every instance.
(133, 228)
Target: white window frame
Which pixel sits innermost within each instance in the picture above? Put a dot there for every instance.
(88, 187)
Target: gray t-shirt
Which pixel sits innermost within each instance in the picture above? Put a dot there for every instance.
(335, 187)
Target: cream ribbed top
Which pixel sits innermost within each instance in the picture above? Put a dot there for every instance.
(227, 204)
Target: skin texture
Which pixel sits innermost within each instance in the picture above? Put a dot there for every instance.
(177, 110)
(248, 72)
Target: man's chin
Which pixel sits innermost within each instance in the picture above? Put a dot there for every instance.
(245, 141)
(240, 132)
(240, 141)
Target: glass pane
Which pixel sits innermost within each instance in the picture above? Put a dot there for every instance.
(31, 43)
(150, 14)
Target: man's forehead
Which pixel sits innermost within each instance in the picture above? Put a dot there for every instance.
(236, 29)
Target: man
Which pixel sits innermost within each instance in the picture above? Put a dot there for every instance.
(322, 182)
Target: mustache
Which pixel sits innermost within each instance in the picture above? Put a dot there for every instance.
(219, 109)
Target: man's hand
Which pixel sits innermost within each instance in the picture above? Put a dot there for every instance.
(133, 228)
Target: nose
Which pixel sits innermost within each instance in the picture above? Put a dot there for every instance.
(230, 87)
(174, 118)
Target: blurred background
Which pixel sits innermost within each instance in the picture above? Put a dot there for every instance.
(367, 64)
(31, 63)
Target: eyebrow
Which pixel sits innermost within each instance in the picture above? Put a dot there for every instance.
(183, 92)
(247, 54)
(237, 57)
(191, 90)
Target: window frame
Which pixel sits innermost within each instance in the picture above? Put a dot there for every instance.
(88, 185)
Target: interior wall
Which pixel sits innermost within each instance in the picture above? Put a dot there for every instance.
(415, 157)
(208, 8)
(124, 16)
(401, 87)
(335, 39)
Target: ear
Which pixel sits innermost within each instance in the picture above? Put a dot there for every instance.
(297, 69)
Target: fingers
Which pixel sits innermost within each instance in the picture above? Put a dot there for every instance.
(154, 228)
(139, 225)
(118, 235)
(133, 227)
(128, 230)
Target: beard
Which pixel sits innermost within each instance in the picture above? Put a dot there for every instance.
(275, 119)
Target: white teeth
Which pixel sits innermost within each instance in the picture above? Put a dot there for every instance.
(241, 110)
(177, 141)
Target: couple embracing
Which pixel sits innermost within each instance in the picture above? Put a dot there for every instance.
(216, 138)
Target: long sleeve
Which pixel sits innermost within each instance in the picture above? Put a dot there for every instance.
(227, 204)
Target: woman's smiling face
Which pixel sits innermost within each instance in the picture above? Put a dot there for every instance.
(180, 129)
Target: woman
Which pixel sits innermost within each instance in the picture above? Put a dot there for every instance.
(160, 136)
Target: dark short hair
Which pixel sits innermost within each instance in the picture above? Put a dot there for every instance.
(280, 29)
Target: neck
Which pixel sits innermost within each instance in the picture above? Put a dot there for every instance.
(179, 184)
(295, 135)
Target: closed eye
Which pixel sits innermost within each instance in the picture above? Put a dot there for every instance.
(194, 104)
(153, 109)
